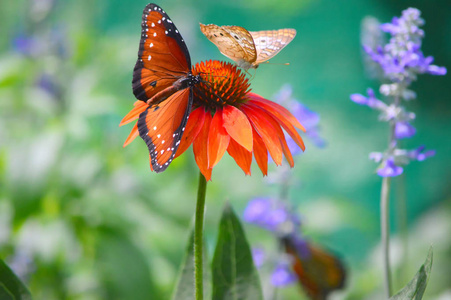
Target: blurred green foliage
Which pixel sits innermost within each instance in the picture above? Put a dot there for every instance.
(83, 218)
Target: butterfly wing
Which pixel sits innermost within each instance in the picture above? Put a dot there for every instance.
(270, 42)
(162, 126)
(162, 57)
(235, 42)
(319, 272)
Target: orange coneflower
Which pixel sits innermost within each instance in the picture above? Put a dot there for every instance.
(226, 116)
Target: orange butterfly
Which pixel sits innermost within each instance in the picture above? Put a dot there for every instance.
(319, 272)
(247, 48)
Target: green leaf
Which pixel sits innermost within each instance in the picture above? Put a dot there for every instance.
(123, 269)
(11, 288)
(184, 289)
(414, 290)
(234, 274)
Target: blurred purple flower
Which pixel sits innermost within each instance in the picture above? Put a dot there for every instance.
(282, 275)
(259, 256)
(48, 83)
(25, 45)
(404, 130)
(389, 169)
(269, 214)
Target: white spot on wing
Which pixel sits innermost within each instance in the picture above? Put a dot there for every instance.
(149, 58)
(155, 128)
(154, 34)
(150, 45)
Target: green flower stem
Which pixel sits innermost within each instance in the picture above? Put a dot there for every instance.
(385, 233)
(198, 238)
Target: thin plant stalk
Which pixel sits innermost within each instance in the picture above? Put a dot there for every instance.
(198, 238)
(401, 218)
(385, 233)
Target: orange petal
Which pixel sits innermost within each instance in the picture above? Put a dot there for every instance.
(192, 128)
(218, 139)
(242, 157)
(279, 132)
(140, 106)
(260, 153)
(200, 147)
(272, 106)
(133, 134)
(238, 126)
(287, 152)
(289, 128)
(267, 132)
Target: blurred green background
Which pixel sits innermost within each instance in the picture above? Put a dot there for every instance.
(83, 218)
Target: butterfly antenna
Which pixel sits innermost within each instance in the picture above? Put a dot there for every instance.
(267, 62)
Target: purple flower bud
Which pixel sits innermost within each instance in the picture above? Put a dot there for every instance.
(419, 154)
(404, 130)
(389, 169)
(282, 275)
(376, 156)
(436, 70)
(371, 101)
(359, 99)
(258, 256)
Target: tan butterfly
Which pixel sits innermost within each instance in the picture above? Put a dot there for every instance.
(247, 48)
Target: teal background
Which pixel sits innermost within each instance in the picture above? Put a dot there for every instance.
(94, 223)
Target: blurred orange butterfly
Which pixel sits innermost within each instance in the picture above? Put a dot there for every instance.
(247, 48)
(318, 271)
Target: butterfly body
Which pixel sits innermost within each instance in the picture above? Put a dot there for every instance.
(182, 83)
(162, 79)
(248, 48)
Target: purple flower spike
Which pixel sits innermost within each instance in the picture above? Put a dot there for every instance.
(389, 169)
(282, 275)
(404, 130)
